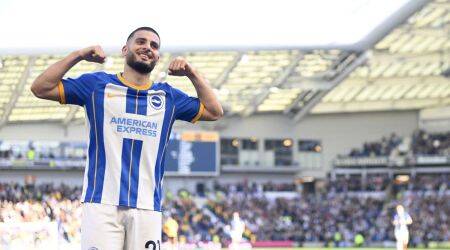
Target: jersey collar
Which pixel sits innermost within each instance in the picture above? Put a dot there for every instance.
(133, 85)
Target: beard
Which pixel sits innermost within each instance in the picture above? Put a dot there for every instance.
(141, 67)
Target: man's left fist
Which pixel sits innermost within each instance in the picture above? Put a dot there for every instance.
(180, 67)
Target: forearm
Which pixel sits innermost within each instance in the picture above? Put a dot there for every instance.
(206, 94)
(49, 79)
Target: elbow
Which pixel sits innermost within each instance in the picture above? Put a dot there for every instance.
(35, 90)
(218, 114)
(38, 92)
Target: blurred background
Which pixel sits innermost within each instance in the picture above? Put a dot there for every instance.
(335, 112)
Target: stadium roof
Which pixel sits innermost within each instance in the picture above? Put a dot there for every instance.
(401, 70)
(408, 69)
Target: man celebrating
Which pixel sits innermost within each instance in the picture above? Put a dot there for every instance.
(401, 222)
(130, 120)
(237, 229)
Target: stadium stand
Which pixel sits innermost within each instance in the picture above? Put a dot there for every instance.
(419, 143)
(270, 215)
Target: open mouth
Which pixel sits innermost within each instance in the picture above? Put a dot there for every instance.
(144, 56)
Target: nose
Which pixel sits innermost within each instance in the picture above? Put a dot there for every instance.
(147, 47)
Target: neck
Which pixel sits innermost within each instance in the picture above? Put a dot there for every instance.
(135, 77)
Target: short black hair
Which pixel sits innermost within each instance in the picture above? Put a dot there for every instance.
(143, 28)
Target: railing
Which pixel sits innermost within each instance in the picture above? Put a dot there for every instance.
(397, 161)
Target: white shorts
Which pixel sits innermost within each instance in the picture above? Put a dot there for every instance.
(109, 227)
(236, 236)
(402, 236)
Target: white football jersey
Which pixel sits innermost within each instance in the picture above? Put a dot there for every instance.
(129, 127)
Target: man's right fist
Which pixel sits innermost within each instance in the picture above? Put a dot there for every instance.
(93, 54)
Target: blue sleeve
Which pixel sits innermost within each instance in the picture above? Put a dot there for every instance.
(187, 108)
(77, 90)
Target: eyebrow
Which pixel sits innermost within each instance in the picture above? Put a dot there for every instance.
(152, 42)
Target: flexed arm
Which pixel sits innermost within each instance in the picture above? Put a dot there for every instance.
(213, 109)
(45, 86)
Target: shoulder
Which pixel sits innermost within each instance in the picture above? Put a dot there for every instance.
(164, 86)
(97, 78)
(101, 75)
(98, 75)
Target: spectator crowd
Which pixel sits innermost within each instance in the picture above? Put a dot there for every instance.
(333, 217)
(419, 143)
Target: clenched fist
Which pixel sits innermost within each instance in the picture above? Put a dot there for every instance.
(180, 67)
(93, 54)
